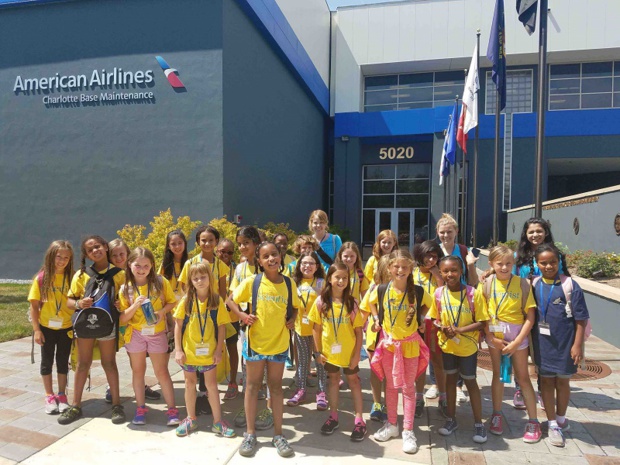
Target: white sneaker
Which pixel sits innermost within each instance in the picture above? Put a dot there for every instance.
(461, 397)
(432, 392)
(410, 444)
(386, 432)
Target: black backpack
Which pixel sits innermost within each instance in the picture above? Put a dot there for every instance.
(419, 295)
(102, 317)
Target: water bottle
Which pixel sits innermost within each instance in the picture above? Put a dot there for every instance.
(505, 369)
(149, 312)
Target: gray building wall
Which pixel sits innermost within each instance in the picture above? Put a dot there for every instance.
(274, 135)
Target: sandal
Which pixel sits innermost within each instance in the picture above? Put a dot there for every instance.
(231, 392)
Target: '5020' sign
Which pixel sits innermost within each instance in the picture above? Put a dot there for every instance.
(396, 153)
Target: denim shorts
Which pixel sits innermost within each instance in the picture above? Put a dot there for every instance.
(550, 374)
(256, 357)
(465, 366)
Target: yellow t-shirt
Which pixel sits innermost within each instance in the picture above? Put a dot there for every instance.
(371, 337)
(218, 268)
(192, 335)
(395, 309)
(357, 286)
(268, 335)
(288, 259)
(80, 280)
(174, 279)
(370, 269)
(158, 300)
(55, 303)
(509, 301)
(243, 271)
(467, 342)
(337, 320)
(308, 292)
(422, 279)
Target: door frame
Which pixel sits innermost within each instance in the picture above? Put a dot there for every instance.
(394, 222)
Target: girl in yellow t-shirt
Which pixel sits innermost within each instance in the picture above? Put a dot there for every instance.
(349, 254)
(199, 344)
(309, 276)
(337, 333)
(385, 244)
(51, 320)
(145, 299)
(401, 355)
(460, 313)
(267, 341)
(119, 252)
(507, 335)
(175, 256)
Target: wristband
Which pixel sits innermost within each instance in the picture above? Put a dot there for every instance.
(316, 355)
(375, 318)
(77, 305)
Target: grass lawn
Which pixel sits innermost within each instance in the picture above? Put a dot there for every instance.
(13, 306)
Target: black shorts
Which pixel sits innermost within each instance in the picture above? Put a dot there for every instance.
(329, 368)
(235, 337)
(465, 366)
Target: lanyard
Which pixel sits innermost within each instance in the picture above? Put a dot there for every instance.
(420, 283)
(176, 276)
(305, 302)
(543, 310)
(62, 292)
(353, 280)
(336, 328)
(393, 320)
(498, 305)
(245, 270)
(447, 303)
(148, 291)
(203, 326)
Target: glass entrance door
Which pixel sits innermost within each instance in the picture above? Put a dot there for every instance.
(399, 220)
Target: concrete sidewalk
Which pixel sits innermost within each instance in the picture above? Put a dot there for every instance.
(30, 436)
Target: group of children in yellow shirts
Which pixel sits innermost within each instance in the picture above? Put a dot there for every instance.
(408, 311)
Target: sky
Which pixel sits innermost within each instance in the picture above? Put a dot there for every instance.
(333, 4)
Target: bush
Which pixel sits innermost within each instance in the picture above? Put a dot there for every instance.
(511, 244)
(271, 229)
(589, 264)
(161, 225)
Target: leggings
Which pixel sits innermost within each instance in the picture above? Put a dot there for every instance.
(56, 340)
(305, 344)
(391, 393)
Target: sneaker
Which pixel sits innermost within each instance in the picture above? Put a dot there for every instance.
(262, 394)
(480, 434)
(419, 407)
(108, 395)
(386, 432)
(496, 424)
(449, 427)
(221, 428)
(140, 416)
(282, 446)
(383, 413)
(51, 407)
(70, 415)
(63, 403)
(432, 392)
(410, 443)
(532, 433)
(248, 445)
(556, 438)
(330, 425)
(564, 426)
(461, 397)
(150, 394)
(289, 365)
(359, 432)
(442, 405)
(231, 392)
(375, 412)
(264, 420)
(298, 398)
(173, 417)
(186, 427)
(203, 407)
(517, 400)
(118, 414)
(321, 402)
(540, 401)
(240, 421)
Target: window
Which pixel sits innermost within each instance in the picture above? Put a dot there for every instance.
(518, 92)
(410, 91)
(584, 85)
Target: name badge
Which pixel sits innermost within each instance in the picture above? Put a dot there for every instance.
(456, 340)
(496, 329)
(305, 320)
(148, 331)
(55, 323)
(202, 349)
(544, 329)
(336, 348)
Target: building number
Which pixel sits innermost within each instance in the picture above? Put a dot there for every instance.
(398, 153)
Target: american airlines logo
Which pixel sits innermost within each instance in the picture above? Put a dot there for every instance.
(171, 74)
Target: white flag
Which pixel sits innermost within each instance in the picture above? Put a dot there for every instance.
(469, 112)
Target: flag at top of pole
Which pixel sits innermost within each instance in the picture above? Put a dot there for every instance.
(448, 155)
(496, 52)
(469, 110)
(527, 14)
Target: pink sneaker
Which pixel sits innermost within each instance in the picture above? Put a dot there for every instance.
(518, 401)
(540, 401)
(496, 424)
(533, 432)
(321, 401)
(51, 408)
(63, 403)
(297, 399)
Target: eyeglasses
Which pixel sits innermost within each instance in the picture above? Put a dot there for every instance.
(226, 252)
(308, 264)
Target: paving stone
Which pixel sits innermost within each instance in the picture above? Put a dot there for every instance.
(605, 460)
(26, 437)
(17, 452)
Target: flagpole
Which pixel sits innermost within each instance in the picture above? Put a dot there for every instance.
(542, 106)
(455, 181)
(474, 215)
(465, 172)
(495, 168)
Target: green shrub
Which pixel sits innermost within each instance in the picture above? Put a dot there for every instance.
(271, 229)
(589, 264)
(511, 244)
